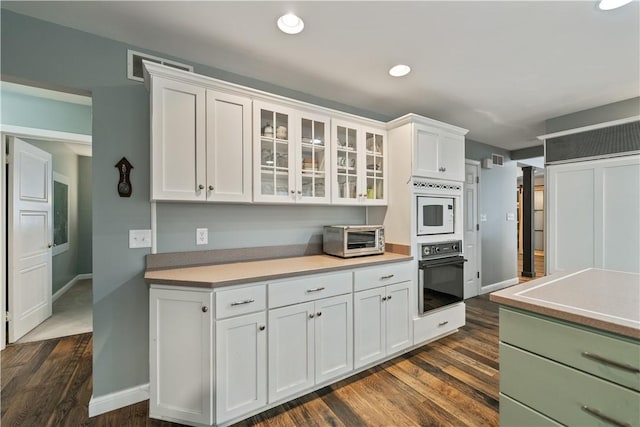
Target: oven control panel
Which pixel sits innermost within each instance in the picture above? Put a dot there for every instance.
(433, 250)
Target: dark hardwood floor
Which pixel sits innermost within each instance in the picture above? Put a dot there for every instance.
(453, 381)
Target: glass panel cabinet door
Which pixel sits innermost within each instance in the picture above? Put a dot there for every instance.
(313, 154)
(346, 163)
(274, 165)
(374, 166)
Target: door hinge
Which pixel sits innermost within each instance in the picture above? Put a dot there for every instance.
(7, 316)
(477, 180)
(478, 274)
(477, 227)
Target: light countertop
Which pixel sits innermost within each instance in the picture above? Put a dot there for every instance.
(212, 276)
(602, 299)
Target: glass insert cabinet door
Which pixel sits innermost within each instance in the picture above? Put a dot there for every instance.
(374, 166)
(313, 156)
(273, 154)
(346, 162)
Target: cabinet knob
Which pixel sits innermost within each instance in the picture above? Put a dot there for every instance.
(319, 314)
(389, 297)
(200, 187)
(262, 327)
(293, 192)
(384, 298)
(311, 316)
(211, 188)
(205, 308)
(299, 192)
(50, 245)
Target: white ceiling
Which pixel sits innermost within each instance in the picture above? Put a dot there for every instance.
(497, 68)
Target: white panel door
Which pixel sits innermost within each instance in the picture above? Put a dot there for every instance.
(570, 230)
(471, 236)
(425, 152)
(399, 322)
(178, 140)
(228, 147)
(291, 350)
(180, 357)
(333, 337)
(30, 237)
(369, 312)
(241, 365)
(620, 233)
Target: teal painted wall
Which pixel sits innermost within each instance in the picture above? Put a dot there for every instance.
(497, 197)
(29, 111)
(604, 113)
(85, 242)
(62, 56)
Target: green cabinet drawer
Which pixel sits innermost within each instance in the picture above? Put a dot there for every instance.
(515, 414)
(575, 346)
(562, 393)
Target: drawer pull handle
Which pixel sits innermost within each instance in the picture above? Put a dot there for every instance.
(247, 301)
(316, 289)
(443, 323)
(388, 276)
(603, 417)
(610, 362)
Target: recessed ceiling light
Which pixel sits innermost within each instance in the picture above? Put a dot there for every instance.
(612, 4)
(399, 70)
(290, 24)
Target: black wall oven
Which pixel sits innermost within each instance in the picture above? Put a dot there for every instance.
(440, 275)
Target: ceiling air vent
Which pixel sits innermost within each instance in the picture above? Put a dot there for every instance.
(134, 64)
(497, 159)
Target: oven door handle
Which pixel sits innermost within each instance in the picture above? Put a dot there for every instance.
(439, 263)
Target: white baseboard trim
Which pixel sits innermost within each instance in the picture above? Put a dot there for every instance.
(119, 399)
(68, 286)
(497, 286)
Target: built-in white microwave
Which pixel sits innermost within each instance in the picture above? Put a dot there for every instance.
(435, 215)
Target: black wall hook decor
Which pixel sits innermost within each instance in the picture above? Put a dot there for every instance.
(124, 182)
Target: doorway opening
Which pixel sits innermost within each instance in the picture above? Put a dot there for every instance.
(47, 257)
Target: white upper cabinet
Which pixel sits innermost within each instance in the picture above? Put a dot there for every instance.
(200, 143)
(228, 147)
(178, 140)
(359, 164)
(438, 154)
(427, 148)
(290, 155)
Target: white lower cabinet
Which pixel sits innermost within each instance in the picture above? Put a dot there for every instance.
(309, 343)
(382, 322)
(181, 362)
(241, 365)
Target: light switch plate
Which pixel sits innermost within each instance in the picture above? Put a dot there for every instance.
(139, 239)
(483, 217)
(511, 216)
(202, 236)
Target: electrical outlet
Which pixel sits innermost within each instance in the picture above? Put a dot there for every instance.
(511, 216)
(139, 239)
(202, 236)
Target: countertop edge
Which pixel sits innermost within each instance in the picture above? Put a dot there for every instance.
(576, 318)
(267, 277)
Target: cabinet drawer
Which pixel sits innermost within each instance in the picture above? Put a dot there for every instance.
(236, 301)
(515, 414)
(438, 323)
(563, 393)
(309, 288)
(373, 277)
(567, 344)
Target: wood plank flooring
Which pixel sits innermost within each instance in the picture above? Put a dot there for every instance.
(538, 265)
(452, 382)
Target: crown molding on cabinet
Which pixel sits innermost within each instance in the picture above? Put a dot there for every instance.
(255, 94)
(415, 118)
